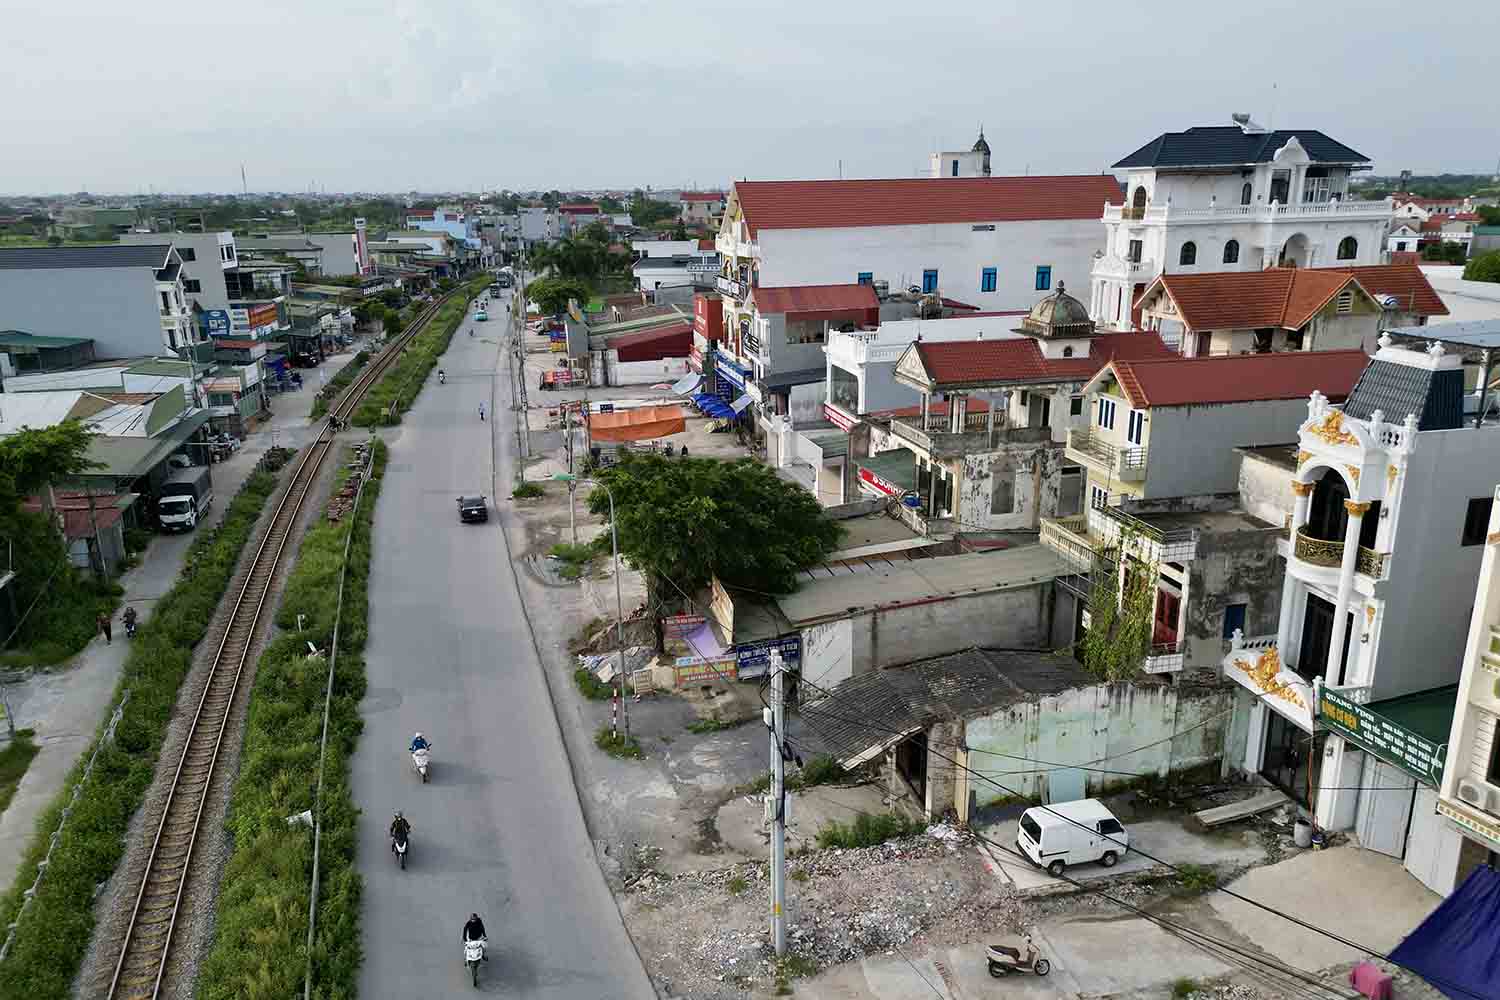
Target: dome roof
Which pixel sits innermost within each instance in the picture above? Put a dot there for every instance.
(1058, 315)
(981, 146)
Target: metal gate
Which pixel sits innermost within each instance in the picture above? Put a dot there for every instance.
(1385, 802)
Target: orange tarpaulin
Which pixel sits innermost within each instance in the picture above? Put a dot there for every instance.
(641, 424)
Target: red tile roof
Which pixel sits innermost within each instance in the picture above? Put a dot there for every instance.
(1019, 360)
(579, 208)
(1405, 281)
(922, 201)
(815, 300)
(703, 196)
(1286, 297)
(78, 521)
(1237, 378)
(705, 244)
(675, 341)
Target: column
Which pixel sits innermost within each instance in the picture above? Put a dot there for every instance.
(1284, 625)
(1346, 585)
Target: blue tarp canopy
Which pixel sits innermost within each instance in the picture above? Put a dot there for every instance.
(713, 406)
(1457, 948)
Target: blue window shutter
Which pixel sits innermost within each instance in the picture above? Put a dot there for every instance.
(930, 281)
(866, 278)
(987, 279)
(1043, 277)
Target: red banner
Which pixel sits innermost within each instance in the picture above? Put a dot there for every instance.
(838, 417)
(263, 315)
(875, 482)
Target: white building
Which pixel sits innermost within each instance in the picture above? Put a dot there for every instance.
(973, 162)
(1405, 238)
(1239, 197)
(701, 207)
(674, 263)
(1390, 502)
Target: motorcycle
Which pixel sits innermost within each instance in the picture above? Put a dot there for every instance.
(400, 843)
(419, 762)
(473, 955)
(442, 378)
(1016, 956)
(130, 626)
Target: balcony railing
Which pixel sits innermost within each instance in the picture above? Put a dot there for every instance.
(1323, 552)
(1125, 463)
(1165, 657)
(1255, 213)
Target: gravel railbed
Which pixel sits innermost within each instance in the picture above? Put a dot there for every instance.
(194, 931)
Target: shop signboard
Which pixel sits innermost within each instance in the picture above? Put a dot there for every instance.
(216, 322)
(879, 483)
(753, 659)
(1378, 735)
(697, 670)
(678, 626)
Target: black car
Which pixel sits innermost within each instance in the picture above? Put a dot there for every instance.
(473, 509)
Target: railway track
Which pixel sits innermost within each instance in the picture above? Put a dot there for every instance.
(141, 966)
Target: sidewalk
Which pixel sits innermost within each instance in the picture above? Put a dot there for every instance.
(66, 705)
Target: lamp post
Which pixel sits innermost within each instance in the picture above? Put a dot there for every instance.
(614, 541)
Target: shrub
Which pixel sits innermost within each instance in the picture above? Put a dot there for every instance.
(617, 745)
(260, 940)
(737, 885)
(14, 760)
(1184, 987)
(526, 491)
(820, 770)
(1196, 879)
(867, 830)
(51, 939)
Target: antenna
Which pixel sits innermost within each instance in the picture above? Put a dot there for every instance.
(244, 187)
(1271, 119)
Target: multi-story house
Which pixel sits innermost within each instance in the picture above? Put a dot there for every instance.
(1390, 501)
(1286, 309)
(130, 300)
(296, 247)
(576, 217)
(704, 208)
(1236, 198)
(973, 162)
(445, 219)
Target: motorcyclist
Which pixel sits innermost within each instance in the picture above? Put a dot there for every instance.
(442, 376)
(400, 829)
(130, 619)
(474, 931)
(418, 742)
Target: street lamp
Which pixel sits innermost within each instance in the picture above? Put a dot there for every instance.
(614, 541)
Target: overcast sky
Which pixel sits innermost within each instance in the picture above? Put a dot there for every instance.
(468, 94)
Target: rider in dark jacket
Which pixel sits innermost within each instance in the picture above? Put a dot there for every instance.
(474, 928)
(400, 829)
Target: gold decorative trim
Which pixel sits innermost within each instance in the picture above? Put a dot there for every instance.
(1370, 614)
(1263, 674)
(1331, 429)
(1303, 456)
(1302, 489)
(1391, 472)
(1353, 471)
(1356, 509)
(1493, 538)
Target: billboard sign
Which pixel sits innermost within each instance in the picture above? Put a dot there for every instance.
(753, 659)
(215, 322)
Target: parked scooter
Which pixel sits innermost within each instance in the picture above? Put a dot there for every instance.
(1016, 956)
(419, 762)
(473, 955)
(401, 845)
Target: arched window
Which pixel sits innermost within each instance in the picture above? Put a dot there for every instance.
(1245, 194)
(1348, 248)
(1232, 252)
(1189, 255)
(1138, 204)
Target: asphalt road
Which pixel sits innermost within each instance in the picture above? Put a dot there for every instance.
(498, 829)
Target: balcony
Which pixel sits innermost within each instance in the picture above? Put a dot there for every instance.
(1131, 270)
(1127, 464)
(732, 287)
(935, 437)
(1149, 542)
(1165, 657)
(1297, 211)
(1322, 552)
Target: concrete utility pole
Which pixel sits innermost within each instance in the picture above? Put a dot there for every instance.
(776, 720)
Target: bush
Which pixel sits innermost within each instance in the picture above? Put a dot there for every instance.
(617, 745)
(1485, 267)
(1195, 880)
(527, 490)
(51, 939)
(590, 686)
(14, 760)
(260, 940)
(867, 830)
(820, 770)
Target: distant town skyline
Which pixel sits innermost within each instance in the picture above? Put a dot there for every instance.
(582, 94)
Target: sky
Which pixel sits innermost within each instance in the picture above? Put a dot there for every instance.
(582, 94)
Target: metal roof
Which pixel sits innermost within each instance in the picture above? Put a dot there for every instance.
(1480, 333)
(1230, 145)
(152, 255)
(801, 376)
(1396, 389)
(129, 457)
(15, 338)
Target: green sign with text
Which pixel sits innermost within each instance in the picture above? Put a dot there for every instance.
(1390, 741)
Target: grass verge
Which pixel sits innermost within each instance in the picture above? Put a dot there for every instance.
(338, 384)
(402, 381)
(590, 686)
(14, 760)
(617, 746)
(527, 491)
(260, 938)
(1195, 880)
(51, 939)
(867, 830)
(703, 727)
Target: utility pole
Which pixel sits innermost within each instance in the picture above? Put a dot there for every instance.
(776, 720)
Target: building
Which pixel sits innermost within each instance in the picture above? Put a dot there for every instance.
(1390, 499)
(130, 300)
(674, 264)
(27, 354)
(299, 248)
(343, 253)
(228, 296)
(1404, 239)
(704, 208)
(1486, 239)
(447, 219)
(535, 225)
(1236, 198)
(1285, 309)
(574, 218)
(973, 162)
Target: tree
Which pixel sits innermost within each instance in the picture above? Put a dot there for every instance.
(551, 295)
(392, 321)
(680, 233)
(1449, 250)
(32, 458)
(690, 519)
(595, 232)
(645, 211)
(552, 199)
(610, 205)
(1120, 621)
(1489, 215)
(1485, 267)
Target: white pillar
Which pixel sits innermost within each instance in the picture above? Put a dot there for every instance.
(1346, 586)
(1285, 624)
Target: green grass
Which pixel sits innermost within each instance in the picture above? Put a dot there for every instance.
(618, 746)
(51, 940)
(527, 490)
(867, 830)
(590, 686)
(737, 885)
(260, 942)
(14, 760)
(338, 384)
(800, 875)
(716, 725)
(1184, 987)
(1194, 880)
(574, 559)
(820, 770)
(757, 786)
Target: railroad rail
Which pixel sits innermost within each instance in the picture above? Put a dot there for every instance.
(142, 961)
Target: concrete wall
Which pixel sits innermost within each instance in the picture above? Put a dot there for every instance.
(1265, 490)
(338, 253)
(828, 652)
(899, 254)
(619, 372)
(1031, 468)
(1232, 567)
(116, 306)
(1191, 448)
(1096, 725)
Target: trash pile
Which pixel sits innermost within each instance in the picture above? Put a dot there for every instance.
(342, 502)
(605, 665)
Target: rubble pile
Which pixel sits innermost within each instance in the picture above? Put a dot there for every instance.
(342, 502)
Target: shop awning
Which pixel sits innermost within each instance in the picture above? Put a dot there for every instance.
(739, 405)
(1457, 948)
(892, 473)
(687, 384)
(643, 424)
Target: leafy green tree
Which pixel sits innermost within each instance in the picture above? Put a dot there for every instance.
(680, 233)
(1485, 267)
(1489, 215)
(1120, 619)
(689, 519)
(595, 232)
(32, 458)
(551, 295)
(611, 205)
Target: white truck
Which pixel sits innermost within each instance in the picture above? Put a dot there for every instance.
(185, 499)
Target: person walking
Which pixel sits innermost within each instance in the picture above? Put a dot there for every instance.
(481, 411)
(106, 627)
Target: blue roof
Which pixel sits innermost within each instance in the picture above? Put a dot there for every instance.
(1230, 145)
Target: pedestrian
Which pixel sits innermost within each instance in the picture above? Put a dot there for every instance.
(106, 627)
(481, 411)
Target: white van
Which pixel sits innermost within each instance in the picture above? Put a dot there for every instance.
(1071, 833)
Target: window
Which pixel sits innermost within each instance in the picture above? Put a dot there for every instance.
(1400, 246)
(1346, 302)
(1106, 413)
(1245, 194)
(1002, 492)
(1492, 775)
(1135, 426)
(166, 303)
(191, 286)
(1477, 520)
(1043, 277)
(866, 278)
(1315, 185)
(221, 399)
(1348, 248)
(1189, 255)
(955, 168)
(1234, 618)
(987, 280)
(1110, 827)
(1134, 253)
(1232, 252)
(1075, 406)
(929, 281)
(187, 253)
(1098, 497)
